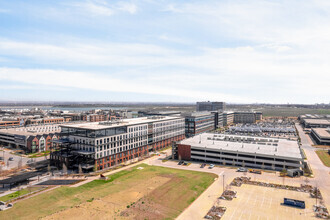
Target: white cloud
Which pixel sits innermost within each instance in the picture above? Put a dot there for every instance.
(94, 7)
(82, 80)
(103, 8)
(273, 71)
(126, 6)
(270, 51)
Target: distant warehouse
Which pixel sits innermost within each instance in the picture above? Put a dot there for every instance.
(247, 151)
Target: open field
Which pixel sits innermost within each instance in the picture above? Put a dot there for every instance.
(257, 202)
(324, 156)
(291, 112)
(152, 192)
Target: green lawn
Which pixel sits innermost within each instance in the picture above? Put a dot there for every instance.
(39, 154)
(324, 156)
(19, 193)
(182, 189)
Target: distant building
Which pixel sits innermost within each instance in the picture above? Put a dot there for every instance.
(95, 117)
(159, 113)
(242, 151)
(321, 135)
(198, 122)
(30, 139)
(210, 106)
(228, 118)
(247, 117)
(315, 121)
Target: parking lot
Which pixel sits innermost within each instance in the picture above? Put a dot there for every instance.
(257, 202)
(265, 201)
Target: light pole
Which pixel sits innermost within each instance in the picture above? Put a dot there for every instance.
(223, 183)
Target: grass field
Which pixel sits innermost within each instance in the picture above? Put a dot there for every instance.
(324, 156)
(148, 193)
(19, 193)
(291, 112)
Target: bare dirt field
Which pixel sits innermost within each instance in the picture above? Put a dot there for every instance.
(257, 202)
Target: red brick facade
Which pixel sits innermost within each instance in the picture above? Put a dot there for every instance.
(122, 157)
(184, 152)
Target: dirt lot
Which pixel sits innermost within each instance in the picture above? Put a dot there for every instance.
(256, 202)
(116, 204)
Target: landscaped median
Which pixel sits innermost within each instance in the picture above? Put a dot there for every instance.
(142, 192)
(324, 157)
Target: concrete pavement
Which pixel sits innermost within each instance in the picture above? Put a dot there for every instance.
(321, 173)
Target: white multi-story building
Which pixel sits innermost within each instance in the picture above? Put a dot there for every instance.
(113, 142)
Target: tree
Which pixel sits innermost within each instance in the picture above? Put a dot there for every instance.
(273, 166)
(283, 174)
(80, 169)
(49, 168)
(19, 164)
(263, 166)
(65, 169)
(306, 180)
(95, 168)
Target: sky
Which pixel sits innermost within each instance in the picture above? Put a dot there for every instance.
(241, 51)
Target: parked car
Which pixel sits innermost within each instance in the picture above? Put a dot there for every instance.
(211, 166)
(203, 165)
(185, 163)
(11, 158)
(180, 162)
(241, 169)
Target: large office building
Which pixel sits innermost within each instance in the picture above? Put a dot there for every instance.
(247, 117)
(228, 118)
(210, 106)
(198, 122)
(236, 150)
(105, 144)
(321, 135)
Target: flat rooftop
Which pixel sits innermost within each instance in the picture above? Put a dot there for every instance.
(322, 132)
(246, 144)
(120, 123)
(317, 121)
(33, 130)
